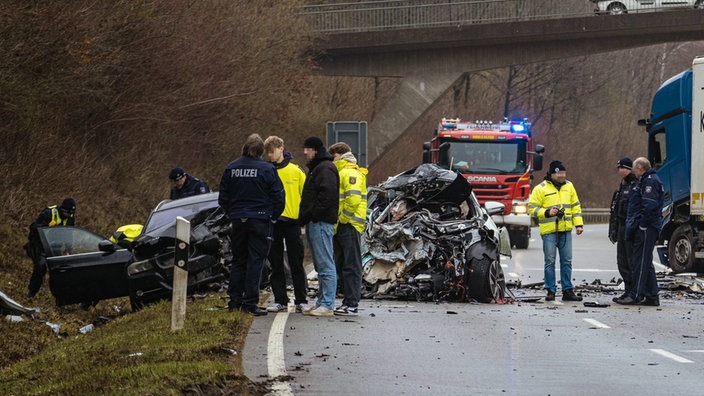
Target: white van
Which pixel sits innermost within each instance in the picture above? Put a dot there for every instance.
(615, 7)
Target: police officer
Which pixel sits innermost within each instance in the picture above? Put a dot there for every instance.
(617, 222)
(556, 205)
(252, 195)
(52, 216)
(643, 225)
(185, 185)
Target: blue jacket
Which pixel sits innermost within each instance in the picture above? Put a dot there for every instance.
(192, 186)
(645, 204)
(251, 188)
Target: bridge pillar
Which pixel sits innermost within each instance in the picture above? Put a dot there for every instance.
(414, 96)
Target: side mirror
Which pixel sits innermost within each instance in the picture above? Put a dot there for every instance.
(538, 157)
(494, 208)
(427, 156)
(106, 246)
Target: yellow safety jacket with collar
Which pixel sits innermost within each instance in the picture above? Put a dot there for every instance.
(56, 218)
(546, 195)
(353, 194)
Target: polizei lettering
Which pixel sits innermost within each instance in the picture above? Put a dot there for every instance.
(485, 179)
(243, 173)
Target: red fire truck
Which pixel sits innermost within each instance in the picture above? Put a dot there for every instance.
(498, 160)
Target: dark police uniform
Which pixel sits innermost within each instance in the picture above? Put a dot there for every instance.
(49, 217)
(617, 229)
(252, 195)
(192, 186)
(643, 225)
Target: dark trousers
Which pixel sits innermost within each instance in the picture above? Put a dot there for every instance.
(251, 239)
(34, 251)
(348, 261)
(645, 283)
(290, 232)
(624, 252)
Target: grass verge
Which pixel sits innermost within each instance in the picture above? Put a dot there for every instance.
(138, 354)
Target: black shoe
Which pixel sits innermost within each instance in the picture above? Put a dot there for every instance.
(568, 295)
(257, 311)
(627, 301)
(624, 295)
(550, 296)
(651, 302)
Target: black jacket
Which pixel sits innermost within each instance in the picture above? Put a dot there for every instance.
(645, 204)
(321, 192)
(192, 186)
(251, 188)
(619, 206)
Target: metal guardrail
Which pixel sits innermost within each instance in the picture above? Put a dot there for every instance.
(595, 215)
(341, 17)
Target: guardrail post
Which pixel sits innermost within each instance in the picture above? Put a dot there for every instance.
(180, 286)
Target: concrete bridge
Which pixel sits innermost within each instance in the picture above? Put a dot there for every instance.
(431, 43)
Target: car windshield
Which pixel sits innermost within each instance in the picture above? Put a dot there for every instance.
(166, 216)
(70, 240)
(486, 157)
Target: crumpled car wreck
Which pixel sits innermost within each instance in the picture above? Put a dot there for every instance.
(427, 238)
(97, 269)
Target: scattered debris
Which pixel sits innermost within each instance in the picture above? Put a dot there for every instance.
(12, 307)
(595, 304)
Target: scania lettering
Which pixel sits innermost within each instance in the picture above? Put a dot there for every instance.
(498, 159)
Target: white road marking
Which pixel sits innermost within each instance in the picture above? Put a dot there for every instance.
(670, 355)
(276, 363)
(695, 351)
(596, 323)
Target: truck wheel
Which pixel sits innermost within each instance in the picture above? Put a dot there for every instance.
(522, 239)
(681, 251)
(486, 282)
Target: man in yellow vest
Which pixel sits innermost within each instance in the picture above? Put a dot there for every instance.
(352, 216)
(555, 204)
(52, 216)
(287, 229)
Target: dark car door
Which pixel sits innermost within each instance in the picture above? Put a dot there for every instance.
(78, 270)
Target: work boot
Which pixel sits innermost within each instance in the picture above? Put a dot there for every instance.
(550, 296)
(654, 302)
(628, 300)
(568, 295)
(622, 296)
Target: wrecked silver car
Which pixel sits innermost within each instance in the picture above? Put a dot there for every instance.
(427, 238)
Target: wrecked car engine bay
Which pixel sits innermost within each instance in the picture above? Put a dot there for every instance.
(428, 239)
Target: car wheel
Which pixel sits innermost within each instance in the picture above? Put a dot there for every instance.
(698, 4)
(617, 9)
(486, 282)
(681, 250)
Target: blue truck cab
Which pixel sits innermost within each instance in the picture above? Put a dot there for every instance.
(670, 151)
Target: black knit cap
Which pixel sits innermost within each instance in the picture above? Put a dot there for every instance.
(176, 173)
(315, 143)
(69, 205)
(556, 166)
(625, 162)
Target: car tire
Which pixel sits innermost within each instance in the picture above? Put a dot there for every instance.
(486, 282)
(698, 4)
(617, 9)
